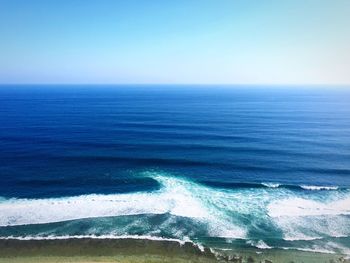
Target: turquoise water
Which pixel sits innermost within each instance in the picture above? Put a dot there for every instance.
(265, 167)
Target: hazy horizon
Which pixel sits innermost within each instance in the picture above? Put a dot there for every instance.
(226, 85)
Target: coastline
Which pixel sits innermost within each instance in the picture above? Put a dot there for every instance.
(143, 250)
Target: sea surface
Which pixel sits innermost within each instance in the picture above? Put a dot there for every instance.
(221, 166)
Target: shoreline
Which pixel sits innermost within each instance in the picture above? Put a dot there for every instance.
(144, 250)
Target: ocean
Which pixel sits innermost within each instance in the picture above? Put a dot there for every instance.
(258, 167)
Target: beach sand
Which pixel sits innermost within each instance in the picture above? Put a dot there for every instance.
(139, 250)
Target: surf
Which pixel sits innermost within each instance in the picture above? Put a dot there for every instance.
(189, 210)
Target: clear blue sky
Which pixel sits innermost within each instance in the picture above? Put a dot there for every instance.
(178, 41)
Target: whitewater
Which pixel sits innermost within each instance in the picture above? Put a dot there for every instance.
(261, 214)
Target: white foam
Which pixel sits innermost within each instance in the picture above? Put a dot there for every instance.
(305, 207)
(177, 197)
(302, 219)
(328, 248)
(271, 185)
(315, 249)
(174, 199)
(259, 244)
(137, 237)
(224, 213)
(316, 188)
(64, 237)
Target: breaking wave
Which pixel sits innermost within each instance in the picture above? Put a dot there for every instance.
(269, 212)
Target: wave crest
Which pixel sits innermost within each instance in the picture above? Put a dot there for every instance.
(226, 213)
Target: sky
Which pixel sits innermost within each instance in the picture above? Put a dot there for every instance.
(175, 41)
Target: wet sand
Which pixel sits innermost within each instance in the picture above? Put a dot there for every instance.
(137, 250)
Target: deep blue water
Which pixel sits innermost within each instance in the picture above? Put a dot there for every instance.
(266, 166)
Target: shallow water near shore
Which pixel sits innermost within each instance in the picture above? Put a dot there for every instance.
(142, 250)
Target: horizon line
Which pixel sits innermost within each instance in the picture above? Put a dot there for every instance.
(176, 84)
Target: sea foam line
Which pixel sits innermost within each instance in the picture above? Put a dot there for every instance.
(181, 242)
(64, 237)
(296, 206)
(259, 244)
(315, 188)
